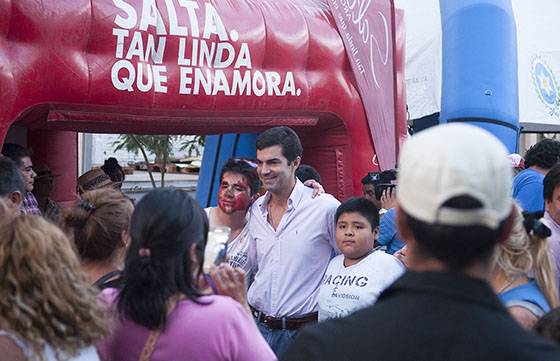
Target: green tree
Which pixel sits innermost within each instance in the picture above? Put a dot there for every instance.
(159, 145)
(193, 144)
(162, 147)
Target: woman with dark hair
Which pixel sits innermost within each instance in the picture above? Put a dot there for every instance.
(98, 225)
(163, 315)
(549, 325)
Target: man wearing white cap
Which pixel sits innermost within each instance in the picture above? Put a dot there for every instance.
(453, 207)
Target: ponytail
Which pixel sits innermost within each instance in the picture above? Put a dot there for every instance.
(146, 288)
(96, 223)
(543, 266)
(164, 227)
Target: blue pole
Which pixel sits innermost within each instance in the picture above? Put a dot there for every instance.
(479, 67)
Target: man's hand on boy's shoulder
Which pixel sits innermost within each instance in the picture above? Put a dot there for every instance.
(317, 187)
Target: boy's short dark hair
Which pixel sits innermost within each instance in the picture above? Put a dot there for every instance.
(359, 205)
(544, 154)
(458, 247)
(16, 152)
(551, 180)
(284, 137)
(10, 177)
(548, 326)
(246, 168)
(306, 172)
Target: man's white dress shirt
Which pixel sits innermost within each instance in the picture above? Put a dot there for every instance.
(291, 261)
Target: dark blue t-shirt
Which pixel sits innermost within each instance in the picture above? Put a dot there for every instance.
(528, 190)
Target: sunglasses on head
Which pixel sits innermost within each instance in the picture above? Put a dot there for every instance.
(374, 176)
(246, 161)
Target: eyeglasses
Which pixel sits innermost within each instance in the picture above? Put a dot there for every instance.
(246, 161)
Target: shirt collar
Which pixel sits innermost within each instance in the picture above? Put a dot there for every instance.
(450, 285)
(293, 201)
(551, 223)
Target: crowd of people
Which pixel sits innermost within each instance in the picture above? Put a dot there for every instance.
(446, 258)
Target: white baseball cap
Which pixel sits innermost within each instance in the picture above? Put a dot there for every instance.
(454, 160)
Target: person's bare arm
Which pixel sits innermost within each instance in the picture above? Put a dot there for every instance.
(317, 187)
(523, 316)
(10, 350)
(402, 255)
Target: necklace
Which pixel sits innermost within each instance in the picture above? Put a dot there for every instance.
(275, 223)
(270, 216)
(508, 285)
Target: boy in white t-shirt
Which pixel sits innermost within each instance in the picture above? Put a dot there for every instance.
(355, 278)
(239, 186)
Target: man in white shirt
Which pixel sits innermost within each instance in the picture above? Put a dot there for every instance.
(294, 238)
(551, 186)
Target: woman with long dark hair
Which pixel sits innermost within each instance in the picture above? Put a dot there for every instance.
(163, 315)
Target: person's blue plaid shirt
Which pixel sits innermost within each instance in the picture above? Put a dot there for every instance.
(30, 205)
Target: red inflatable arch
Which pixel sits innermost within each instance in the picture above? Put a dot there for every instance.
(189, 67)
